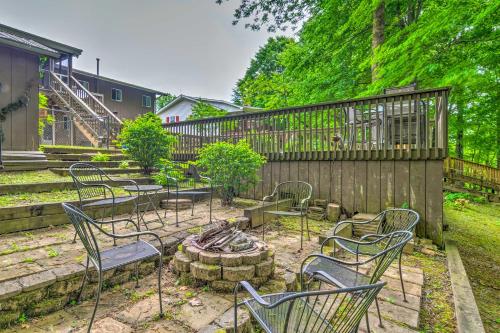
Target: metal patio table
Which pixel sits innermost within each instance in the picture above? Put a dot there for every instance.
(150, 192)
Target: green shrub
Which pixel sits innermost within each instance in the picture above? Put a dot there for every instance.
(146, 141)
(461, 200)
(232, 167)
(100, 157)
(171, 169)
(124, 165)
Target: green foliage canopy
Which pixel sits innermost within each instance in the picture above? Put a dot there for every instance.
(204, 110)
(146, 141)
(232, 167)
(431, 42)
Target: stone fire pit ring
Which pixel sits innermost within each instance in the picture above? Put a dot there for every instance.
(222, 270)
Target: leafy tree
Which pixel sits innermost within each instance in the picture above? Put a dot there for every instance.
(204, 110)
(274, 14)
(146, 141)
(356, 48)
(163, 100)
(263, 77)
(232, 167)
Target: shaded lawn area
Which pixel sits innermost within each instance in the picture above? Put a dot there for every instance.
(476, 229)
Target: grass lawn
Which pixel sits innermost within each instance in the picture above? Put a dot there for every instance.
(21, 199)
(46, 176)
(25, 177)
(476, 229)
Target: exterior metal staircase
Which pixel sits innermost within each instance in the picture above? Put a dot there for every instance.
(91, 117)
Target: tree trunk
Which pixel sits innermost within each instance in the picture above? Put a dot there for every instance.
(459, 149)
(377, 36)
(498, 139)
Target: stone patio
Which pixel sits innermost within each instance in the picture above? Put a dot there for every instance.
(123, 308)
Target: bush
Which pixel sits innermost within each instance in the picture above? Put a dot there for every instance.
(232, 167)
(145, 141)
(462, 200)
(100, 157)
(171, 169)
(124, 165)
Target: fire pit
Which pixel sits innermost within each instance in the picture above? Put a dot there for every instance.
(221, 255)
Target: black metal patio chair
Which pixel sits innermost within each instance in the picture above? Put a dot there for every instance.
(292, 200)
(338, 310)
(346, 274)
(183, 179)
(93, 192)
(115, 257)
(389, 220)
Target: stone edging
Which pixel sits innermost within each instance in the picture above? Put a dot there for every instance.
(466, 311)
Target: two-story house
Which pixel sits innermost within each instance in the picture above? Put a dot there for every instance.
(88, 109)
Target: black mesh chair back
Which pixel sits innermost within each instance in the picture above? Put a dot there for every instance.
(87, 174)
(397, 219)
(391, 246)
(338, 311)
(83, 226)
(296, 191)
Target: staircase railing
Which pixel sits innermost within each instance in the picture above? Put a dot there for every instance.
(97, 118)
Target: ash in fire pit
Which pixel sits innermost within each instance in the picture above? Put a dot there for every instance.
(222, 255)
(224, 237)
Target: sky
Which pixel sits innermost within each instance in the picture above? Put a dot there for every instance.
(178, 46)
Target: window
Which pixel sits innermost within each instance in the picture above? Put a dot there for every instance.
(146, 101)
(173, 119)
(116, 95)
(85, 84)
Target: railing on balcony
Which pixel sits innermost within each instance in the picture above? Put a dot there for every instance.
(409, 125)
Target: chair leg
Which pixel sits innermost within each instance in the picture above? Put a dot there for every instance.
(137, 275)
(367, 322)
(112, 224)
(160, 265)
(78, 298)
(401, 278)
(301, 231)
(307, 224)
(379, 316)
(192, 206)
(99, 287)
(74, 238)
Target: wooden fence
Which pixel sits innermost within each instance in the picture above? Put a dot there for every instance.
(366, 154)
(482, 175)
(409, 125)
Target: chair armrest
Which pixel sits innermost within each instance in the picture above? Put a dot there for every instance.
(132, 182)
(368, 236)
(268, 198)
(248, 287)
(121, 220)
(132, 234)
(304, 203)
(350, 222)
(328, 239)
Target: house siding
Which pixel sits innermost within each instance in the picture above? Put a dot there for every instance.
(19, 71)
(131, 105)
(184, 108)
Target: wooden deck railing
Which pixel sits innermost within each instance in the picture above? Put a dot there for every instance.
(409, 125)
(466, 171)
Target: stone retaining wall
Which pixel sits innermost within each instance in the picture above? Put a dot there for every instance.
(48, 291)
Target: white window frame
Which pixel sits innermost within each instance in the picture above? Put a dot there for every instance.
(147, 98)
(121, 94)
